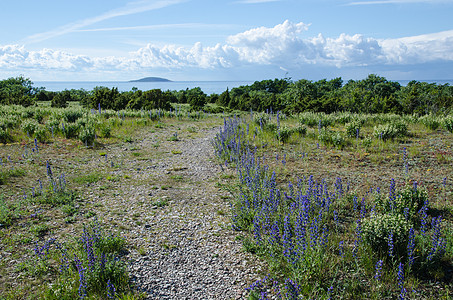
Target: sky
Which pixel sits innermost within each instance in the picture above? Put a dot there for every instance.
(190, 40)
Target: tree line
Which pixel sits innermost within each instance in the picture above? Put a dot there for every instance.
(374, 94)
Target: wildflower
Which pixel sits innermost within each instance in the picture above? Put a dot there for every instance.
(49, 170)
(378, 273)
(411, 247)
(390, 243)
(110, 290)
(82, 280)
(400, 275)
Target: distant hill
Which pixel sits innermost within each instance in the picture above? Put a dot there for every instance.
(151, 79)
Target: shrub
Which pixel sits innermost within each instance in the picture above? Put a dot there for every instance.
(338, 140)
(9, 122)
(407, 202)
(309, 119)
(353, 128)
(29, 126)
(272, 127)
(448, 123)
(260, 119)
(377, 229)
(42, 134)
(367, 142)
(325, 136)
(87, 135)
(70, 130)
(301, 129)
(53, 124)
(39, 116)
(106, 131)
(5, 137)
(430, 121)
(390, 130)
(72, 115)
(283, 134)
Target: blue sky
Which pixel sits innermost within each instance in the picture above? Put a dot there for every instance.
(226, 39)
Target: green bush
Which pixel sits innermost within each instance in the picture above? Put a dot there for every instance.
(390, 130)
(448, 123)
(53, 124)
(42, 134)
(301, 129)
(70, 130)
(325, 136)
(29, 126)
(367, 142)
(260, 119)
(338, 140)
(72, 116)
(106, 131)
(5, 137)
(39, 116)
(87, 135)
(430, 121)
(272, 127)
(352, 128)
(407, 202)
(9, 122)
(308, 118)
(283, 134)
(376, 231)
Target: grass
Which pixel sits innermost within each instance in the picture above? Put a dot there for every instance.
(273, 230)
(90, 178)
(31, 216)
(6, 174)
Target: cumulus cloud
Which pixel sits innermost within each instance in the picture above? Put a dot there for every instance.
(284, 46)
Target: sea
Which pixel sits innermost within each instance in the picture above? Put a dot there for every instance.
(209, 87)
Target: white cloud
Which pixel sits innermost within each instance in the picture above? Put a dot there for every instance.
(128, 9)
(283, 46)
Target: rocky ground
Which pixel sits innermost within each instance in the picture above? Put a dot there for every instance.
(177, 219)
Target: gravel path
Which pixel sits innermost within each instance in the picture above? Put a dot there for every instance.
(182, 243)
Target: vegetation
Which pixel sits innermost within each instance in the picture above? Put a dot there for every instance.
(371, 95)
(345, 237)
(342, 190)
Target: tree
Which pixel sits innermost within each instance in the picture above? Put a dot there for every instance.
(18, 90)
(224, 98)
(61, 99)
(196, 98)
(103, 97)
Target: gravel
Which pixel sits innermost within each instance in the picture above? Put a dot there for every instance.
(185, 248)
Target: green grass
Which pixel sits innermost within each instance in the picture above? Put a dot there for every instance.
(6, 174)
(364, 162)
(88, 178)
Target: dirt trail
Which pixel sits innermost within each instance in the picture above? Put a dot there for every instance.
(176, 219)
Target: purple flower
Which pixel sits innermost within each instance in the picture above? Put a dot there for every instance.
(111, 291)
(400, 275)
(378, 272)
(411, 247)
(390, 243)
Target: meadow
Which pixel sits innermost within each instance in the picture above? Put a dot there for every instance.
(341, 205)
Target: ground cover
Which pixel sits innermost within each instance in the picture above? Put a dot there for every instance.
(135, 204)
(341, 215)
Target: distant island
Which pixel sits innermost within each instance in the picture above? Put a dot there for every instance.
(151, 79)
